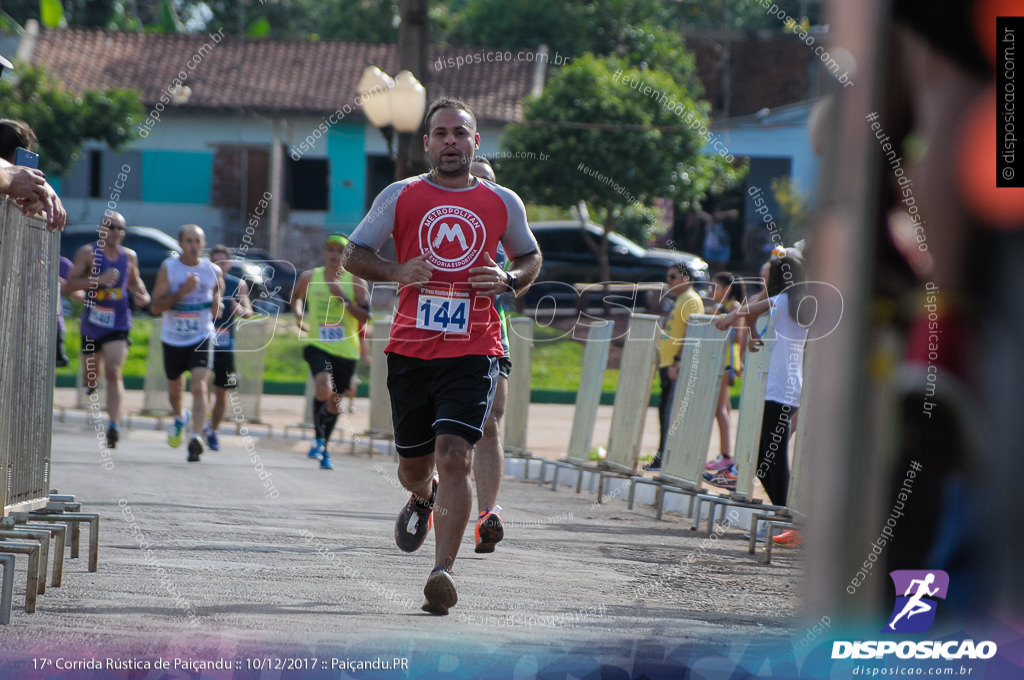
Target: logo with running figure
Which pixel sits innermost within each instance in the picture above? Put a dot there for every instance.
(452, 236)
(917, 595)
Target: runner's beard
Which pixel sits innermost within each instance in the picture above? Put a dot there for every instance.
(453, 171)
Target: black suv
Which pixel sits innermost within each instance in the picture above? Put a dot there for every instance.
(567, 257)
(569, 261)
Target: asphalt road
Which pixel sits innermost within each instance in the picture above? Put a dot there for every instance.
(257, 555)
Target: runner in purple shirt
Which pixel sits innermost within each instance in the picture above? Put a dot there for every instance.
(62, 355)
(108, 273)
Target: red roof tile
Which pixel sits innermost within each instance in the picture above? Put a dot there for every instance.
(266, 76)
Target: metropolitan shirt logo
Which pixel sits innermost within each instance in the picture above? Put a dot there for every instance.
(452, 236)
(917, 595)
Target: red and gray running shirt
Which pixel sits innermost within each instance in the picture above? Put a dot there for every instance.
(455, 227)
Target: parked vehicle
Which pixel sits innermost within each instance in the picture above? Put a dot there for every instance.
(568, 261)
(278, 276)
(153, 246)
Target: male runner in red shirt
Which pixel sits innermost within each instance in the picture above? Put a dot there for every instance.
(446, 337)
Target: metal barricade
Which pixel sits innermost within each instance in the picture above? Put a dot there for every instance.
(748, 430)
(636, 375)
(250, 344)
(380, 399)
(694, 398)
(588, 398)
(692, 414)
(517, 406)
(28, 336)
(155, 401)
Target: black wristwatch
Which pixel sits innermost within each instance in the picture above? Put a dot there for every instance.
(513, 280)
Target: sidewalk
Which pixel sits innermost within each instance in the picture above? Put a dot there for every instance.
(547, 433)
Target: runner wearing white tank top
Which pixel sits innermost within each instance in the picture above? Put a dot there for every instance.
(188, 295)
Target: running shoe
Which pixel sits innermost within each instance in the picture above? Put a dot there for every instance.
(439, 593)
(489, 530)
(318, 450)
(719, 463)
(177, 432)
(725, 479)
(789, 537)
(211, 439)
(195, 448)
(112, 436)
(325, 462)
(414, 521)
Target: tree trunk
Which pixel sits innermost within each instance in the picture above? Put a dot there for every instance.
(602, 254)
(600, 248)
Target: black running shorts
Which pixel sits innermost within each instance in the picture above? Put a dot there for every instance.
(92, 345)
(177, 360)
(439, 396)
(224, 368)
(341, 370)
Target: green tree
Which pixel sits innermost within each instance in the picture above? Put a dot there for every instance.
(355, 20)
(63, 120)
(794, 208)
(745, 15)
(569, 27)
(611, 135)
(109, 14)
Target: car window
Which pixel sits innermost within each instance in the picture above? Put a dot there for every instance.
(623, 242)
(70, 243)
(151, 253)
(567, 241)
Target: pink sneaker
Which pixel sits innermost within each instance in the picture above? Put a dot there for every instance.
(719, 463)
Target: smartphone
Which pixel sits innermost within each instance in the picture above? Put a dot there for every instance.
(27, 158)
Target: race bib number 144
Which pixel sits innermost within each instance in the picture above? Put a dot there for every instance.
(448, 315)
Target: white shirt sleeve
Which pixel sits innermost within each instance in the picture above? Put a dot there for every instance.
(379, 222)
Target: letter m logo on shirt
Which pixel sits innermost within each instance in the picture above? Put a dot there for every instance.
(447, 232)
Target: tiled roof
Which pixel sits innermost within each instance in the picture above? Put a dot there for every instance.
(267, 76)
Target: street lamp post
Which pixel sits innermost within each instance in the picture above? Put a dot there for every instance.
(394, 105)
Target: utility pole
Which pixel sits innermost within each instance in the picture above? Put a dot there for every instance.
(413, 40)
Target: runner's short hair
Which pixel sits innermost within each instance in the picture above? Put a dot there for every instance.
(448, 103)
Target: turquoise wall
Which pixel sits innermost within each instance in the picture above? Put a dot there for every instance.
(177, 176)
(347, 181)
(793, 142)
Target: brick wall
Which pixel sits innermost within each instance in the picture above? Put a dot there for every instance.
(765, 71)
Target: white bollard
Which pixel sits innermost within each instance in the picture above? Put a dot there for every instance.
(517, 406)
(694, 398)
(633, 397)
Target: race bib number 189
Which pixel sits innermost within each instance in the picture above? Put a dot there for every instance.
(331, 332)
(449, 315)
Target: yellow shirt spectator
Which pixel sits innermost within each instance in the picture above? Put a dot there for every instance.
(689, 303)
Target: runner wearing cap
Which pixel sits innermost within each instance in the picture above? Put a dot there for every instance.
(335, 304)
